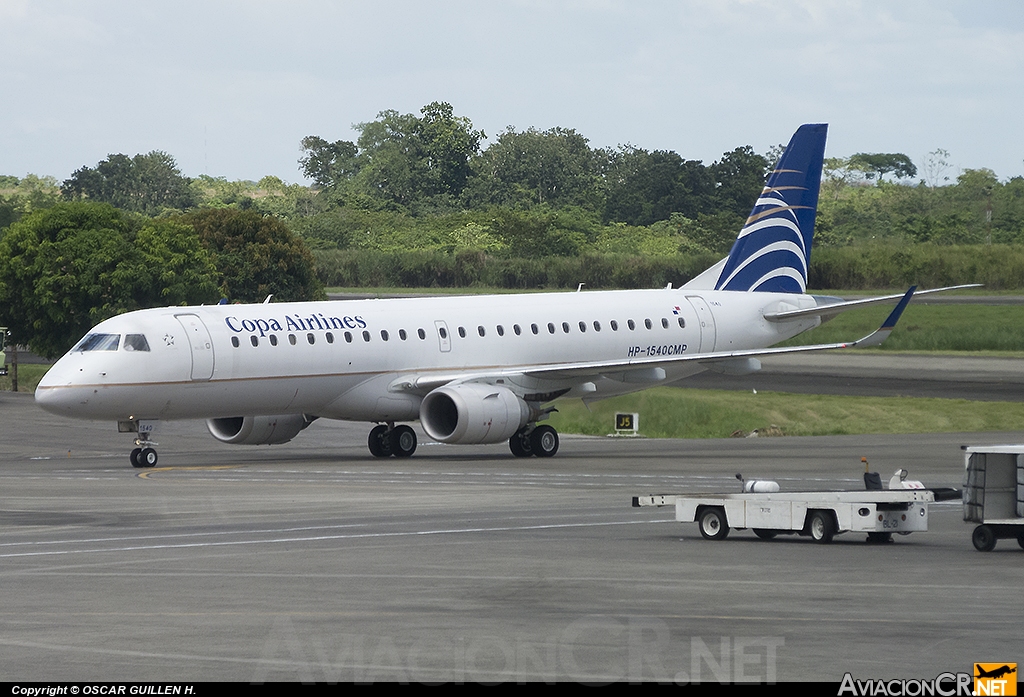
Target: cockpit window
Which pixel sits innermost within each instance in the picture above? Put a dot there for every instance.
(135, 342)
(99, 342)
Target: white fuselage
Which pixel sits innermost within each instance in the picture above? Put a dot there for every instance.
(344, 359)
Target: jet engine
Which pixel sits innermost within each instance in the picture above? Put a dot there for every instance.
(473, 413)
(258, 430)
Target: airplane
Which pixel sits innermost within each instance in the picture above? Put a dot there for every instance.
(994, 673)
(472, 370)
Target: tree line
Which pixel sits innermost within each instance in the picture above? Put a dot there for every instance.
(435, 163)
(422, 199)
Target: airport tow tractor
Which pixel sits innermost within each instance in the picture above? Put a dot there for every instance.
(879, 512)
(994, 494)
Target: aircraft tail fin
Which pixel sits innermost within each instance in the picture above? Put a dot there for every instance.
(773, 249)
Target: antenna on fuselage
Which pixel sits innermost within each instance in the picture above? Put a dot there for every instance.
(580, 287)
(267, 301)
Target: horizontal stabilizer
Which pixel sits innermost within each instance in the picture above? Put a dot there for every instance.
(831, 309)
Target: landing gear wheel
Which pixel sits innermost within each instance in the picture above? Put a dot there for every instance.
(713, 525)
(378, 441)
(402, 440)
(134, 458)
(544, 441)
(984, 538)
(821, 527)
(519, 444)
(147, 458)
(765, 534)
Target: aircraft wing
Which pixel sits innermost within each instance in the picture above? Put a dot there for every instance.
(833, 306)
(643, 369)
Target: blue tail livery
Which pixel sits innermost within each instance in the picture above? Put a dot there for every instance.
(773, 249)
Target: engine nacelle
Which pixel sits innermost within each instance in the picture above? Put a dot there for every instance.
(472, 413)
(257, 430)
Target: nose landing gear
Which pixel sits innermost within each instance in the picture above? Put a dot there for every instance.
(144, 455)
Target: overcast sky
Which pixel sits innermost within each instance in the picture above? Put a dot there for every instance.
(229, 88)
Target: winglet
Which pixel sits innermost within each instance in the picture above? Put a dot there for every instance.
(883, 332)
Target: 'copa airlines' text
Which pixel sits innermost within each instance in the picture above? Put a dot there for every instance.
(294, 322)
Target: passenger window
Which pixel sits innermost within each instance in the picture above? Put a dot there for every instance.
(462, 332)
(664, 322)
(631, 324)
(234, 341)
(583, 327)
(517, 329)
(565, 327)
(402, 335)
(291, 339)
(551, 328)
(366, 336)
(443, 332)
(647, 323)
(273, 339)
(384, 334)
(135, 342)
(614, 325)
(480, 331)
(682, 322)
(534, 329)
(330, 338)
(597, 326)
(421, 334)
(501, 330)
(348, 337)
(310, 338)
(254, 340)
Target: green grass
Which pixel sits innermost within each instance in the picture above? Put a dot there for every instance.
(29, 375)
(667, 412)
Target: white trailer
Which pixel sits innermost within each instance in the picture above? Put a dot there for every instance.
(993, 493)
(817, 514)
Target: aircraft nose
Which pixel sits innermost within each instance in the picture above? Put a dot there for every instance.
(48, 397)
(52, 393)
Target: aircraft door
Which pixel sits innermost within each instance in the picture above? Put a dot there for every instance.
(200, 344)
(444, 338)
(708, 332)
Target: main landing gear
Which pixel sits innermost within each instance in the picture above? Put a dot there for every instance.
(144, 455)
(387, 440)
(541, 441)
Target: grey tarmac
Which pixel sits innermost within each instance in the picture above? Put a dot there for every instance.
(312, 561)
